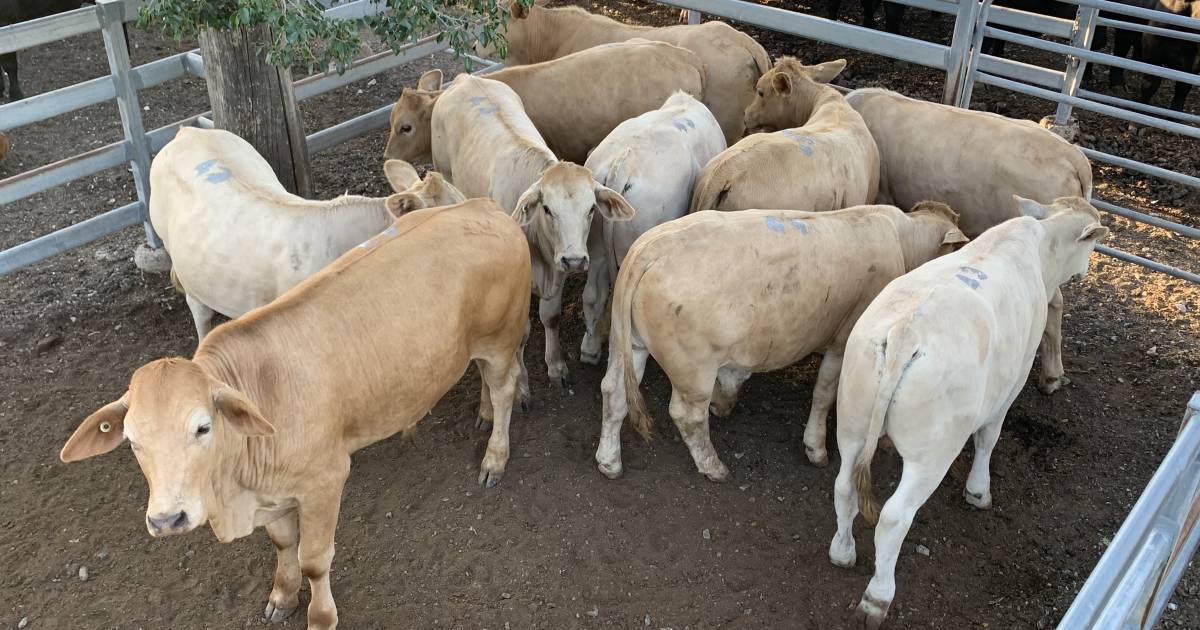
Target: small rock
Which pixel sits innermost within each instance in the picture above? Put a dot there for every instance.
(706, 534)
(48, 344)
(1173, 606)
(371, 82)
(22, 623)
(387, 515)
(505, 595)
(594, 612)
(83, 574)
(646, 621)
(103, 555)
(1181, 306)
(923, 550)
(1153, 351)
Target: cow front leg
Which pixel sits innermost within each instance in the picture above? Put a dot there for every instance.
(284, 533)
(9, 64)
(725, 391)
(201, 314)
(1052, 378)
(824, 394)
(550, 312)
(501, 378)
(318, 520)
(690, 414)
(595, 299)
(615, 407)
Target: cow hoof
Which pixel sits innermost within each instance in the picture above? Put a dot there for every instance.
(590, 358)
(982, 501)
(870, 613)
(720, 474)
(561, 382)
(1050, 385)
(612, 471)
(483, 424)
(276, 615)
(720, 412)
(523, 405)
(818, 458)
(490, 478)
(842, 558)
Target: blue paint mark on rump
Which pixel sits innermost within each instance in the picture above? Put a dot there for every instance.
(971, 282)
(800, 225)
(220, 175)
(804, 142)
(203, 167)
(975, 272)
(775, 225)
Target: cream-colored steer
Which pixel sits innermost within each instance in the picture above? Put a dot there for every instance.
(653, 160)
(716, 296)
(822, 159)
(939, 357)
(238, 239)
(258, 427)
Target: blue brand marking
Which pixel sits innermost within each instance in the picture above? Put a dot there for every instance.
(975, 272)
(488, 110)
(800, 225)
(391, 231)
(680, 125)
(203, 167)
(971, 282)
(477, 100)
(803, 142)
(218, 177)
(775, 225)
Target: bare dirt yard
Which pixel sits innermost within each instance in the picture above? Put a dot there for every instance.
(557, 545)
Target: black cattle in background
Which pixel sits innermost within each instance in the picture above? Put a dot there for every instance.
(1167, 52)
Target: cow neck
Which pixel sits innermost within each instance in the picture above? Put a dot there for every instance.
(816, 102)
(549, 31)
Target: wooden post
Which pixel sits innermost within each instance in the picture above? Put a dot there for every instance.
(255, 100)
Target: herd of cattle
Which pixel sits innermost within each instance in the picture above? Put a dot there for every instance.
(725, 203)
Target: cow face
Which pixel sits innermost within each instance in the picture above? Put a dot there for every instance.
(785, 95)
(413, 193)
(179, 422)
(557, 211)
(411, 133)
(933, 231)
(1072, 228)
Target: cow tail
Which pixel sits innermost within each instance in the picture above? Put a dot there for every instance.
(762, 61)
(621, 339)
(709, 193)
(1084, 172)
(894, 357)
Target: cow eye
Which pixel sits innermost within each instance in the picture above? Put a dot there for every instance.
(760, 94)
(546, 209)
(405, 128)
(203, 429)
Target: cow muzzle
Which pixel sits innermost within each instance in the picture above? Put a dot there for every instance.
(160, 525)
(576, 263)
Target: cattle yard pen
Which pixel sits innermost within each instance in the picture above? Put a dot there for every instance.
(1136, 575)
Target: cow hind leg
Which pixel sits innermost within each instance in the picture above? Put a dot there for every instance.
(285, 593)
(824, 393)
(1052, 377)
(8, 63)
(845, 504)
(725, 392)
(550, 312)
(979, 482)
(483, 420)
(615, 408)
(690, 413)
(523, 395)
(201, 314)
(917, 482)
(595, 298)
(501, 377)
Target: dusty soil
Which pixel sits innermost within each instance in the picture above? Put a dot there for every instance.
(557, 545)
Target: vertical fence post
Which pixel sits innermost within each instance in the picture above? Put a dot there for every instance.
(1082, 35)
(693, 17)
(960, 43)
(137, 146)
(967, 85)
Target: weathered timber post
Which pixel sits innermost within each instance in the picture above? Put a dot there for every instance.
(255, 100)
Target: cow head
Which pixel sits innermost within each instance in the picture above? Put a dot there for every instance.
(932, 231)
(1072, 230)
(179, 422)
(786, 94)
(411, 135)
(557, 210)
(413, 193)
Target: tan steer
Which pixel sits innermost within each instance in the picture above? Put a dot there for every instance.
(258, 427)
(734, 60)
(488, 146)
(939, 357)
(822, 159)
(574, 101)
(933, 151)
(716, 296)
(238, 239)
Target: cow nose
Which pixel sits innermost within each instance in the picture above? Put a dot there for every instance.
(167, 522)
(579, 263)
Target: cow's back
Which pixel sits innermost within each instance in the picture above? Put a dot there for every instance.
(933, 152)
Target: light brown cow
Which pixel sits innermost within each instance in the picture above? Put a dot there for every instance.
(258, 427)
(5, 147)
(822, 159)
(933, 151)
(574, 101)
(733, 59)
(716, 296)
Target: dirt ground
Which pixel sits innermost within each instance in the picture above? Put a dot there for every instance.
(557, 545)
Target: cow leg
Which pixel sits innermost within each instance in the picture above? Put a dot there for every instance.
(845, 504)
(893, 17)
(550, 312)
(615, 408)
(725, 391)
(201, 314)
(595, 298)
(483, 421)
(918, 480)
(501, 378)
(835, 7)
(285, 593)
(690, 413)
(979, 482)
(869, 7)
(318, 520)
(824, 393)
(523, 395)
(9, 64)
(1052, 377)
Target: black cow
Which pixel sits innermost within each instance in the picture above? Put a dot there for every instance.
(1167, 52)
(14, 11)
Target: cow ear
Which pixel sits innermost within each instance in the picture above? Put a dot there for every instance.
(518, 10)
(612, 205)
(431, 81)
(828, 71)
(442, 192)
(526, 206)
(400, 174)
(243, 416)
(1094, 232)
(99, 433)
(401, 204)
(954, 236)
(1029, 207)
(782, 83)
